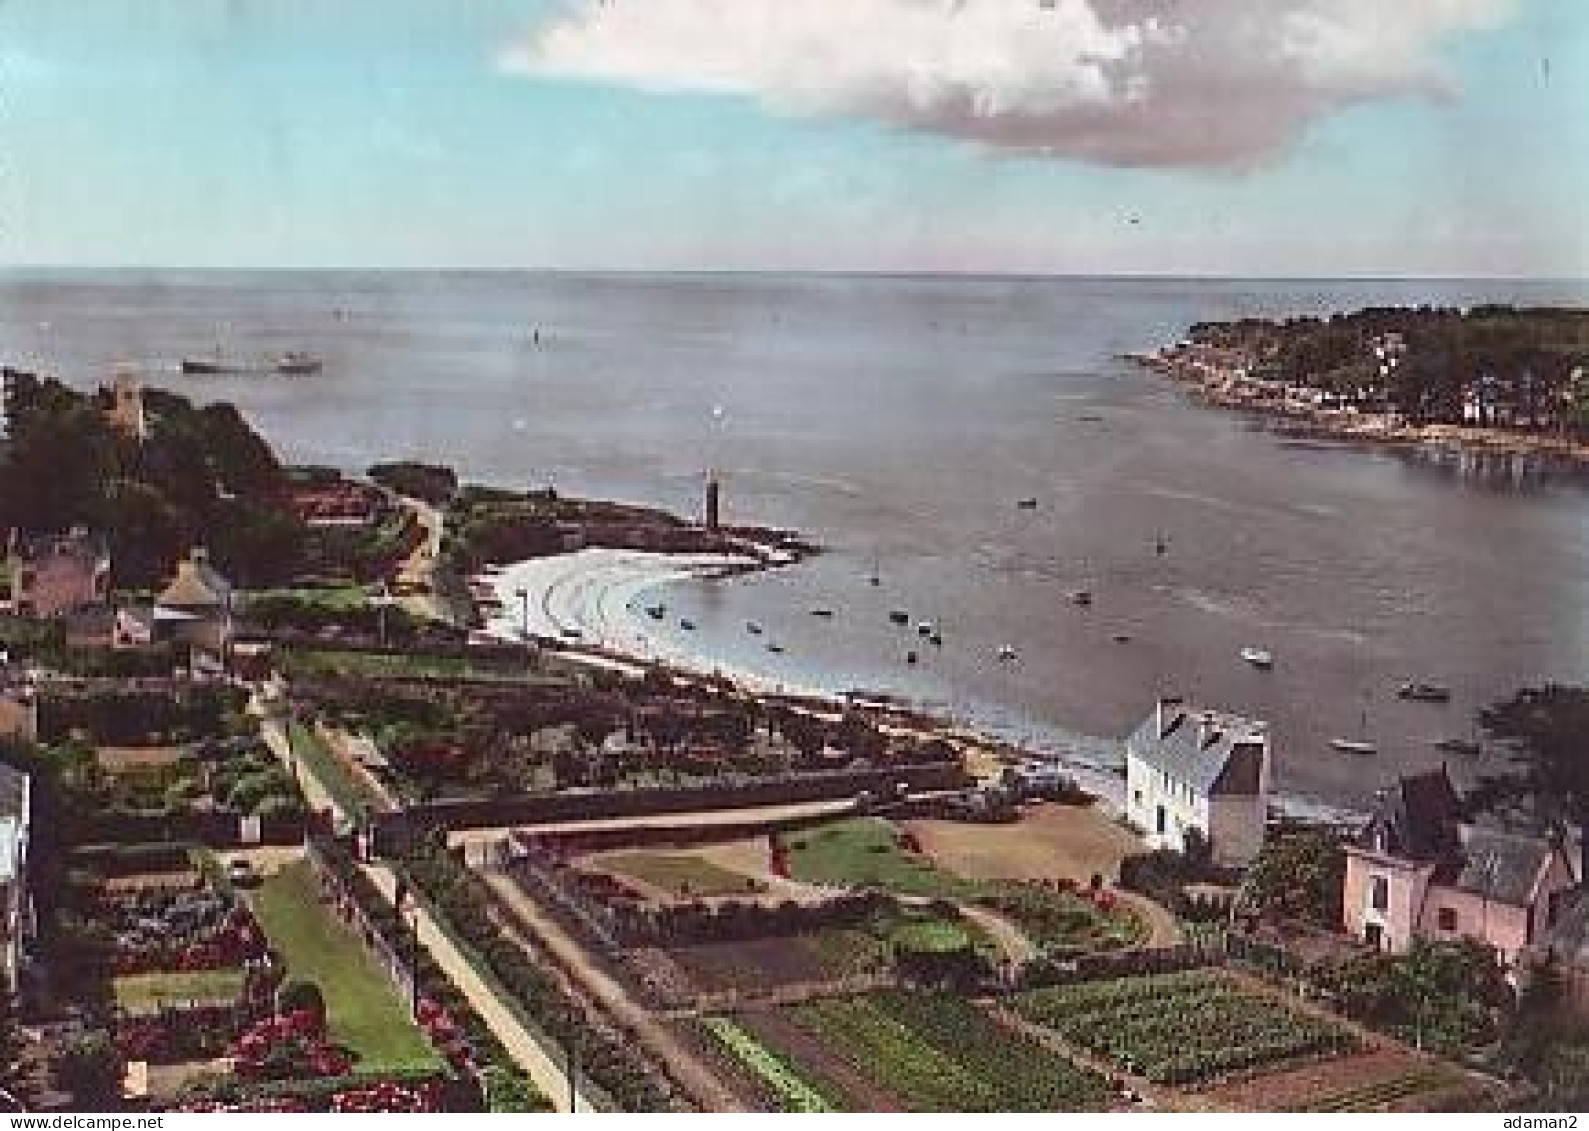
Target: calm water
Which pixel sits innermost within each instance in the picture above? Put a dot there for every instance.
(899, 420)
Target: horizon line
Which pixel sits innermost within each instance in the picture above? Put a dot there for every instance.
(15, 269)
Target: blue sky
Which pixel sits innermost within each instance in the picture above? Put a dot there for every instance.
(392, 133)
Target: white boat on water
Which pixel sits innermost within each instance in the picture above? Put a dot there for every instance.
(1258, 658)
(1351, 746)
(1007, 653)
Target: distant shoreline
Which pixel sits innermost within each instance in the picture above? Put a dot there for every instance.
(1228, 386)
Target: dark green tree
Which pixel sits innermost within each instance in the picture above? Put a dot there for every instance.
(1546, 732)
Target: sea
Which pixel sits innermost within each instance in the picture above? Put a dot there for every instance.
(976, 444)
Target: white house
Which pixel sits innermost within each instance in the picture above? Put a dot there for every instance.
(16, 906)
(1188, 768)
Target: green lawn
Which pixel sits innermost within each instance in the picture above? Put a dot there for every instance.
(363, 1007)
(680, 874)
(863, 852)
(147, 993)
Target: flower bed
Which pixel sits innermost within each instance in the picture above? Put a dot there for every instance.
(178, 930)
(1184, 1028)
(387, 1092)
(176, 1035)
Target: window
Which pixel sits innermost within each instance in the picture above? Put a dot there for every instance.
(1379, 893)
(1136, 795)
(1446, 918)
(1159, 820)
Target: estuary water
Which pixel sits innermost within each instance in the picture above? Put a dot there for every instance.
(902, 423)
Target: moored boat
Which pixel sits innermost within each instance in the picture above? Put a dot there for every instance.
(296, 361)
(1424, 692)
(899, 616)
(1258, 658)
(1353, 746)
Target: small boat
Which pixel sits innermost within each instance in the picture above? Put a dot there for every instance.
(925, 628)
(1027, 504)
(687, 624)
(209, 365)
(1006, 653)
(1082, 597)
(1258, 658)
(822, 612)
(936, 639)
(656, 612)
(296, 361)
(1463, 746)
(753, 628)
(910, 657)
(1424, 693)
(1353, 746)
(775, 647)
(1122, 638)
(899, 616)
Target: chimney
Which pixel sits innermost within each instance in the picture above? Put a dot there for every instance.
(1207, 732)
(1162, 723)
(714, 491)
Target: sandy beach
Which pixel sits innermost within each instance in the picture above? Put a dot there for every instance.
(596, 600)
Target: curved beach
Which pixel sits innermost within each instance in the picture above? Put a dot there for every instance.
(595, 598)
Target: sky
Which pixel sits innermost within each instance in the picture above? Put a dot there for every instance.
(1196, 137)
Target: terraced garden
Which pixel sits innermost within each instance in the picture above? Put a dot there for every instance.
(930, 1052)
(872, 852)
(1185, 1028)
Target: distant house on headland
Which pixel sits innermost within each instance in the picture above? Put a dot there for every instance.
(51, 574)
(126, 412)
(1202, 772)
(196, 608)
(1420, 871)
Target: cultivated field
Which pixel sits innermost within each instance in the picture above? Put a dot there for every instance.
(922, 1052)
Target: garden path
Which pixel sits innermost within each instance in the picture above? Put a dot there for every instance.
(697, 1078)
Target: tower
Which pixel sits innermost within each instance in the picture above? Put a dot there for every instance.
(714, 491)
(126, 411)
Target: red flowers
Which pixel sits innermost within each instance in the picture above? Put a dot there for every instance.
(388, 1096)
(289, 1046)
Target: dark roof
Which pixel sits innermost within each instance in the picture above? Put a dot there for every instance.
(1195, 745)
(1419, 817)
(78, 543)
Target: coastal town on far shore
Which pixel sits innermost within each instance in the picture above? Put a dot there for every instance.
(326, 790)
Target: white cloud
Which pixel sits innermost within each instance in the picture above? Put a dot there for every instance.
(1116, 82)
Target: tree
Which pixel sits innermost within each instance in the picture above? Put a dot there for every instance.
(1546, 731)
(91, 1067)
(1298, 875)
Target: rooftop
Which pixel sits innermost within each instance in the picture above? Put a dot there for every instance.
(1194, 745)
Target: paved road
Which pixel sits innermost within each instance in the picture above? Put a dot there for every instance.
(698, 1079)
(527, 1052)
